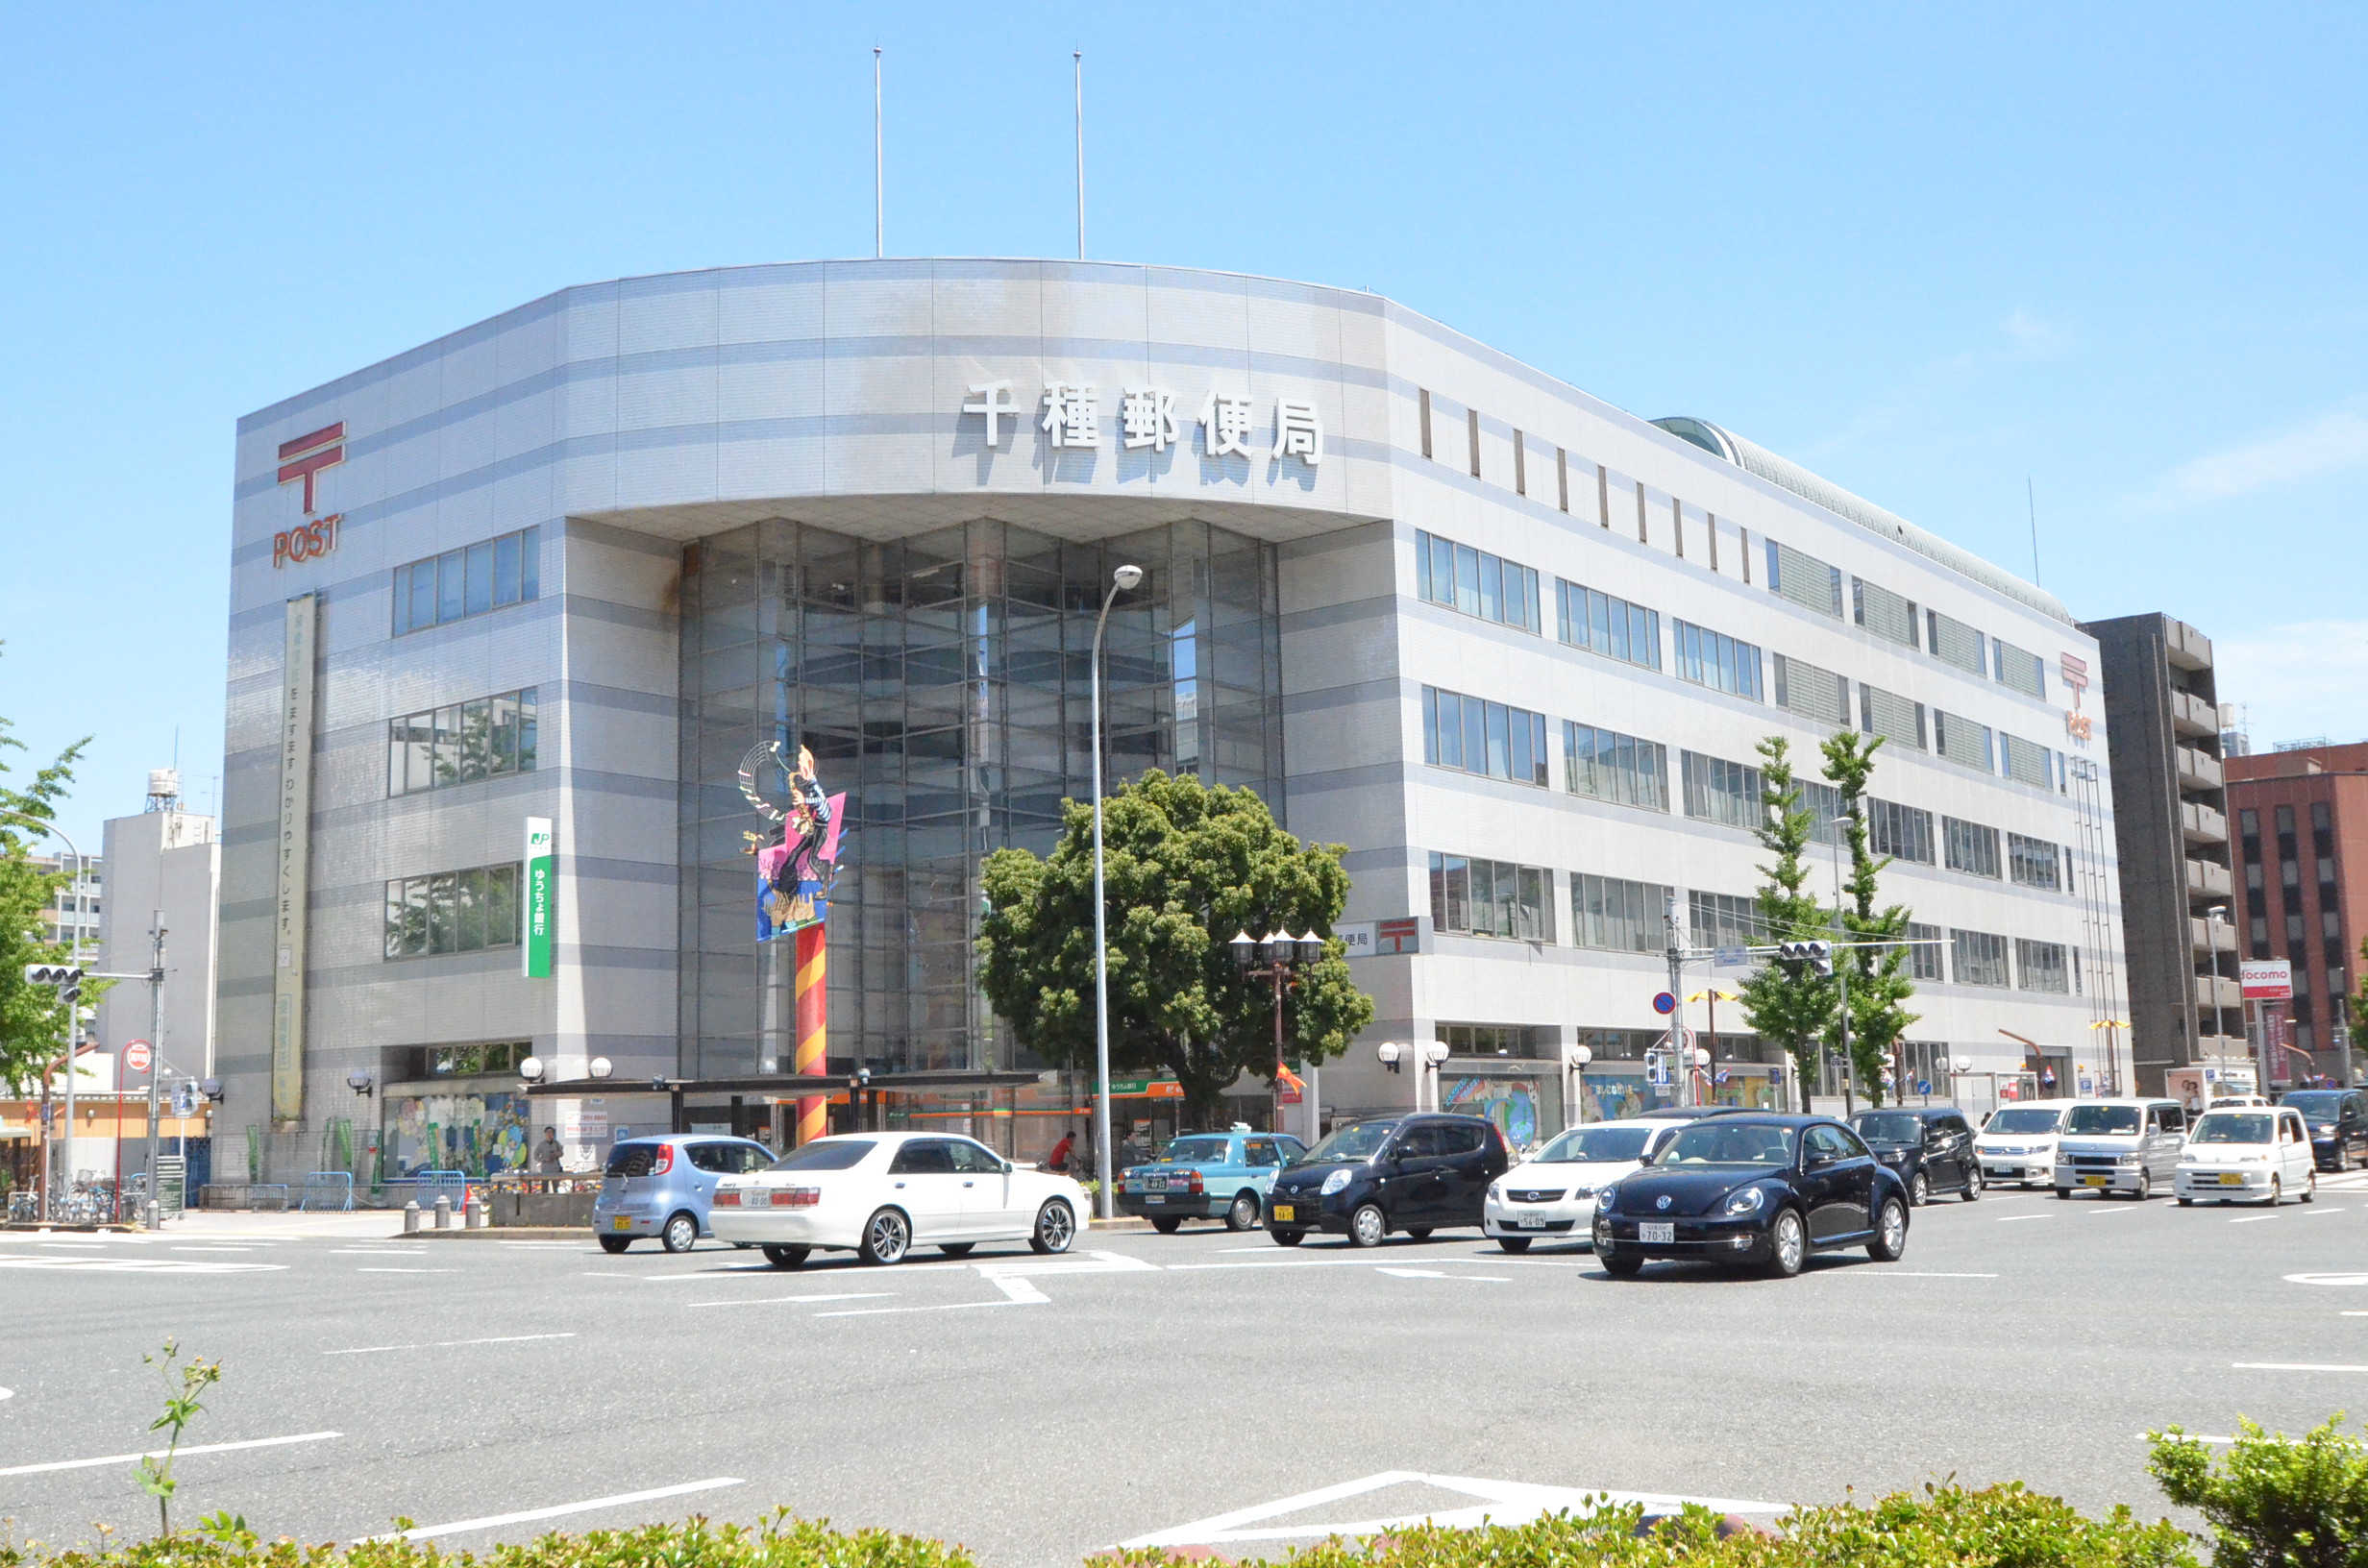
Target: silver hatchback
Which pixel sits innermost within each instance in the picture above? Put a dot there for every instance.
(662, 1186)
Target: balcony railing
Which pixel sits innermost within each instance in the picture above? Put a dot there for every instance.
(2200, 823)
(2206, 880)
(2200, 770)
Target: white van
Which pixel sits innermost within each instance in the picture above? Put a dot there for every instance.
(2017, 1145)
(2124, 1145)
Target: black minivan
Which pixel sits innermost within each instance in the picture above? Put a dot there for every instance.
(1415, 1174)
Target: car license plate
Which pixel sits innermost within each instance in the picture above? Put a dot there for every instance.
(2232, 1178)
(1285, 1213)
(1155, 1183)
(1529, 1222)
(1650, 1232)
(2096, 1181)
(1153, 1197)
(620, 1222)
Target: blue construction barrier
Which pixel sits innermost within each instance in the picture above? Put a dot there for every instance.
(428, 1186)
(327, 1192)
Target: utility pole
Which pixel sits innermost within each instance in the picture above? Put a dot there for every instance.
(155, 1057)
(1678, 1054)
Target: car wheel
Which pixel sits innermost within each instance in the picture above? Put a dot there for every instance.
(2186, 1203)
(956, 1249)
(2064, 1193)
(1973, 1186)
(1421, 1233)
(2310, 1186)
(614, 1245)
(1367, 1227)
(785, 1257)
(1166, 1224)
(2145, 1186)
(1057, 1227)
(1919, 1190)
(1286, 1239)
(1890, 1234)
(1513, 1244)
(887, 1236)
(1243, 1214)
(2277, 1191)
(1622, 1267)
(682, 1233)
(1787, 1243)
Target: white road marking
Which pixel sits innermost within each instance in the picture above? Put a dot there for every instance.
(2295, 1366)
(210, 1249)
(1501, 1501)
(7, 1394)
(2327, 1278)
(779, 1301)
(447, 1344)
(1906, 1274)
(1439, 1274)
(710, 1275)
(2011, 1218)
(1092, 1262)
(555, 1510)
(1021, 1291)
(2254, 1220)
(378, 1252)
(2352, 1314)
(1017, 1292)
(133, 1266)
(158, 1453)
(2315, 1210)
(406, 1271)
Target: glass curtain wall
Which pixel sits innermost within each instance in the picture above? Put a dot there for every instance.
(941, 681)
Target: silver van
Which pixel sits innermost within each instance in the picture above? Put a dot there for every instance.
(2123, 1145)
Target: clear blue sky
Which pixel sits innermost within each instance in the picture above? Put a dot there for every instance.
(1924, 250)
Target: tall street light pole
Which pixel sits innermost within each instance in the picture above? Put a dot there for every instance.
(1120, 581)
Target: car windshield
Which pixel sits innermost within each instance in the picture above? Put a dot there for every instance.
(2121, 1119)
(1889, 1127)
(2320, 1104)
(1203, 1149)
(2233, 1127)
(1727, 1143)
(1597, 1143)
(2023, 1119)
(1358, 1141)
(826, 1154)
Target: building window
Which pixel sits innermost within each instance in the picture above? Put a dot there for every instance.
(1491, 898)
(2025, 761)
(1978, 957)
(1900, 832)
(1961, 741)
(1721, 919)
(1972, 848)
(461, 743)
(1422, 405)
(453, 912)
(1612, 767)
(1717, 660)
(1618, 916)
(1520, 465)
(1476, 737)
(1529, 1042)
(2032, 862)
(2322, 820)
(1718, 791)
(1817, 695)
(474, 1060)
(1953, 642)
(2040, 965)
(2026, 672)
(1882, 612)
(470, 582)
(1607, 626)
(2253, 876)
(1471, 428)
(1804, 579)
(2249, 822)
(1895, 718)
(1476, 582)
(1924, 961)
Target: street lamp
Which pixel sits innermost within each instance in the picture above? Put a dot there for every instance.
(1575, 1059)
(1282, 954)
(601, 1066)
(1121, 580)
(359, 1081)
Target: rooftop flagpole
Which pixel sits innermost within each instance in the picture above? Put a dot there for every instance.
(879, 168)
(1080, 57)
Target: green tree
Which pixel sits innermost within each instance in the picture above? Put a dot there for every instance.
(1186, 866)
(1879, 981)
(1792, 1009)
(32, 1024)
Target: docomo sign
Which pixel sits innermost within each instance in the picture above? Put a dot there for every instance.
(2266, 979)
(306, 540)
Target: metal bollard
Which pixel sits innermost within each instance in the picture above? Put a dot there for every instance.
(443, 1212)
(474, 1217)
(410, 1216)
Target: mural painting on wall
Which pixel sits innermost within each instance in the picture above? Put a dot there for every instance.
(1511, 1103)
(482, 1135)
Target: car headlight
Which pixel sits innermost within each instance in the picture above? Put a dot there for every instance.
(2189, 1157)
(1747, 1202)
(2325, 1129)
(1335, 1182)
(2130, 1160)
(1606, 1199)
(1496, 1193)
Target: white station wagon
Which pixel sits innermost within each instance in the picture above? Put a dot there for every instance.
(882, 1194)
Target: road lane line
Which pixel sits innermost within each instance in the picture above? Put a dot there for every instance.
(2254, 1220)
(555, 1510)
(2315, 1210)
(1910, 1274)
(1021, 1291)
(2295, 1366)
(2010, 1219)
(185, 1451)
(447, 1344)
(406, 1271)
(779, 1301)
(378, 1252)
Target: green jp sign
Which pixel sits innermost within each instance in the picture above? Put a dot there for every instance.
(542, 886)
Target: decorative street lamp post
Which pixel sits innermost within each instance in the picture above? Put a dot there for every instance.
(1104, 1201)
(1276, 959)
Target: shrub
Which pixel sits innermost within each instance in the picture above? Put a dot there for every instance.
(2272, 1502)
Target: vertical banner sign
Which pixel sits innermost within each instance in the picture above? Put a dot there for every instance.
(542, 878)
(287, 991)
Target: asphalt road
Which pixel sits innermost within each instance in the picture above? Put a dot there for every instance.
(1171, 1387)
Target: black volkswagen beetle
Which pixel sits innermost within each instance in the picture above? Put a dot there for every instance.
(1753, 1189)
(1931, 1146)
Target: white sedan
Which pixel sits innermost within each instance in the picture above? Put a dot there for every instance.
(882, 1194)
(2248, 1156)
(1552, 1194)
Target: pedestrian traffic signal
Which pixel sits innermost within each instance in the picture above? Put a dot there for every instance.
(65, 977)
(1817, 955)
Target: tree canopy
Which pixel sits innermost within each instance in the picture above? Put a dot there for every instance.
(1879, 977)
(1186, 866)
(1788, 1005)
(33, 1023)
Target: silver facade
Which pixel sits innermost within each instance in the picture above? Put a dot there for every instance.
(625, 421)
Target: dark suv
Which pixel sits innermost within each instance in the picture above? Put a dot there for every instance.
(1415, 1174)
(2338, 1119)
(1929, 1147)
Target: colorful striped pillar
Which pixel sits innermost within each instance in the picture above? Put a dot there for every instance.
(813, 1026)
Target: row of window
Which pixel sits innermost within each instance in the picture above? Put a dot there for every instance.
(453, 912)
(468, 582)
(462, 743)
(1478, 737)
(1476, 582)
(1471, 897)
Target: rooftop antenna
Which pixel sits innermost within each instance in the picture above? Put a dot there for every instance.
(879, 168)
(2030, 499)
(1078, 54)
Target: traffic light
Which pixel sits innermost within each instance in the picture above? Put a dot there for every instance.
(65, 977)
(1817, 955)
